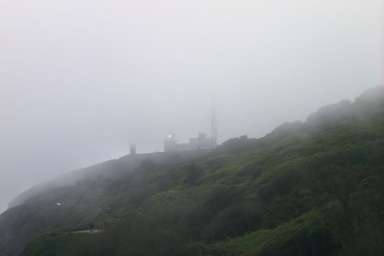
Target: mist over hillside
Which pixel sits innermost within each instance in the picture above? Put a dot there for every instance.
(306, 188)
(82, 80)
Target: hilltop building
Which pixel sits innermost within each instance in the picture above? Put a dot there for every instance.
(201, 142)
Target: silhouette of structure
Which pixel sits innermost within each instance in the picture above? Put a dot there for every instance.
(132, 149)
(201, 142)
(214, 128)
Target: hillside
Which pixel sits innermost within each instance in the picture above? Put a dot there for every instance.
(308, 188)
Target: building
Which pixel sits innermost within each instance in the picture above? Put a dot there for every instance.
(201, 142)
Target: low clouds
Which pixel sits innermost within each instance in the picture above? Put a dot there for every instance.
(80, 81)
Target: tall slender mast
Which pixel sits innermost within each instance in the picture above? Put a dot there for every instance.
(214, 129)
(214, 126)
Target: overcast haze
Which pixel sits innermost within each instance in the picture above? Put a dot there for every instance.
(81, 80)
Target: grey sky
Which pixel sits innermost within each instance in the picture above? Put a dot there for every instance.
(81, 80)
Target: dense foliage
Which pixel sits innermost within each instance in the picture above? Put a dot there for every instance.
(311, 188)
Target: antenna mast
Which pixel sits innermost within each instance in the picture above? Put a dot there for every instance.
(214, 126)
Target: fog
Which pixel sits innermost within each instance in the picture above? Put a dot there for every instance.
(81, 80)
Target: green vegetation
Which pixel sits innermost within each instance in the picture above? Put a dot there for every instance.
(314, 188)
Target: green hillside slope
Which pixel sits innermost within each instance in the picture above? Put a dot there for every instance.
(307, 188)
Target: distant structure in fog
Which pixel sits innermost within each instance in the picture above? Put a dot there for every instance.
(201, 142)
(132, 149)
(214, 129)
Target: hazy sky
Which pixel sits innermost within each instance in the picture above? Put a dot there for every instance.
(81, 80)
